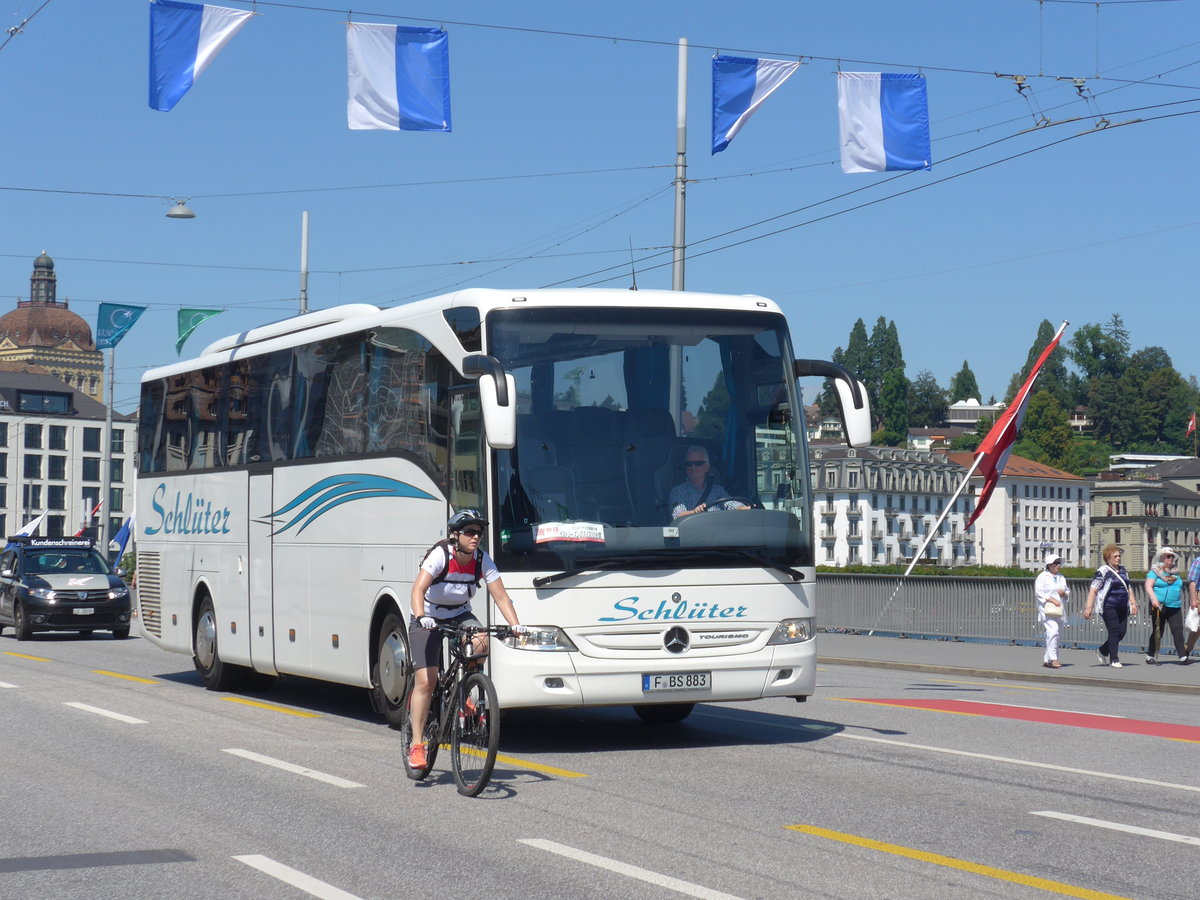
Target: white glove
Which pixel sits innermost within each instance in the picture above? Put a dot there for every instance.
(428, 623)
(520, 629)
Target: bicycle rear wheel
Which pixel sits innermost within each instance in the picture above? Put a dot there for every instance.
(431, 730)
(475, 735)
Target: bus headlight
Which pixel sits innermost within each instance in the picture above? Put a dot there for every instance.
(792, 631)
(541, 637)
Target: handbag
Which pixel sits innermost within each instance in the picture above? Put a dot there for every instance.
(1191, 622)
(1052, 610)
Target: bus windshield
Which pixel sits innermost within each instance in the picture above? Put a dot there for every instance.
(612, 404)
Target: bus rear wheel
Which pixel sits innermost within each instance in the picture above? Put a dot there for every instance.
(391, 670)
(216, 674)
(663, 713)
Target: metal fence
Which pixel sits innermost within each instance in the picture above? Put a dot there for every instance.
(1001, 610)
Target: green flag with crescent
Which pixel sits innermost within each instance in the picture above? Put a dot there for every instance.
(190, 320)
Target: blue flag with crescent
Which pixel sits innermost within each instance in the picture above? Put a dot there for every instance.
(113, 321)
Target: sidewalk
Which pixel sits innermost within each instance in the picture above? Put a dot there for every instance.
(1006, 661)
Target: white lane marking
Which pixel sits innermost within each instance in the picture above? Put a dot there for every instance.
(295, 878)
(292, 767)
(128, 720)
(5, 684)
(1002, 759)
(603, 862)
(1117, 826)
(1023, 762)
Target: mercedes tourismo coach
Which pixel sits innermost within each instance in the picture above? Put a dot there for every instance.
(292, 476)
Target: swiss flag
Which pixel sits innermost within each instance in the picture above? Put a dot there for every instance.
(994, 451)
(1191, 425)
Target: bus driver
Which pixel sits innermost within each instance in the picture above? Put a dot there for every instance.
(447, 580)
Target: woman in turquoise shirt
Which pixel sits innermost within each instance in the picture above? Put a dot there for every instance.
(1164, 589)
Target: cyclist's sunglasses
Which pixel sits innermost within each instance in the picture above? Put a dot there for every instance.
(472, 532)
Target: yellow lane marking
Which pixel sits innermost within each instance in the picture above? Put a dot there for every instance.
(126, 677)
(517, 763)
(1045, 884)
(1014, 687)
(27, 656)
(273, 708)
(895, 705)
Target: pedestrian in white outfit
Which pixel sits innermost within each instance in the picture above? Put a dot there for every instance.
(1052, 592)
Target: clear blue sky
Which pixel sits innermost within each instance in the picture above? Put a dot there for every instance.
(967, 267)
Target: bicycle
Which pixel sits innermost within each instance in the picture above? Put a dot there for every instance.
(463, 711)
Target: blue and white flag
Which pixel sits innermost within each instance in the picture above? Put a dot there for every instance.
(113, 320)
(121, 539)
(883, 121)
(740, 86)
(399, 78)
(184, 39)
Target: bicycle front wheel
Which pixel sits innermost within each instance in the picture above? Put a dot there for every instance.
(476, 734)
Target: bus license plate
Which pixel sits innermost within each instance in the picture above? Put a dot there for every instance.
(677, 681)
(83, 610)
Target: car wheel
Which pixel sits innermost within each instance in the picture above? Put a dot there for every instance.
(21, 624)
(391, 670)
(216, 674)
(121, 633)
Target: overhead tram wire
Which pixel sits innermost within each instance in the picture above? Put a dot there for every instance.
(642, 261)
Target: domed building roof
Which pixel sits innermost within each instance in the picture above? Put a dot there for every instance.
(43, 262)
(45, 326)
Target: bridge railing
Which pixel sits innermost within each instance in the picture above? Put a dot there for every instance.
(950, 607)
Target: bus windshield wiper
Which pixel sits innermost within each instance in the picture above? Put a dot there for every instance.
(766, 563)
(544, 580)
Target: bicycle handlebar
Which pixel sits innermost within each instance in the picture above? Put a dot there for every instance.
(470, 630)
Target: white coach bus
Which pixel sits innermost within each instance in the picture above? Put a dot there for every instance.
(292, 477)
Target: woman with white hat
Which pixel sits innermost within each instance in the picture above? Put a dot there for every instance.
(1164, 590)
(1052, 592)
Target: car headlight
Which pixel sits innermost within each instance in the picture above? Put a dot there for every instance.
(118, 593)
(42, 593)
(541, 637)
(792, 631)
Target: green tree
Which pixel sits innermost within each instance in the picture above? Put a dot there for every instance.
(1053, 376)
(894, 409)
(710, 420)
(885, 357)
(963, 386)
(1045, 434)
(927, 401)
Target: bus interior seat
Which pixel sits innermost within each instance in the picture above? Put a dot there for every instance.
(649, 434)
(551, 490)
(598, 447)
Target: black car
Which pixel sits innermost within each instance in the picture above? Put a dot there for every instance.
(60, 584)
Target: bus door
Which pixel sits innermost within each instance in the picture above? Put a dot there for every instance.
(259, 568)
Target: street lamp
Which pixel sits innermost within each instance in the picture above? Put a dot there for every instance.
(180, 210)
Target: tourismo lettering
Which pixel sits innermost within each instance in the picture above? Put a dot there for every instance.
(188, 515)
(672, 612)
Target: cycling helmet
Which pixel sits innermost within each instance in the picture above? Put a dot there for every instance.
(463, 518)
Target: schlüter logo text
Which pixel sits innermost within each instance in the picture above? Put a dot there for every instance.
(187, 515)
(633, 609)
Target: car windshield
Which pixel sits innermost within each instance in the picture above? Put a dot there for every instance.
(613, 405)
(66, 562)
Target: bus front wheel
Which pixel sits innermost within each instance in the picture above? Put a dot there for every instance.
(662, 713)
(216, 674)
(391, 670)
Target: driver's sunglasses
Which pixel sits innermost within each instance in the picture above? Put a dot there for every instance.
(692, 463)
(472, 532)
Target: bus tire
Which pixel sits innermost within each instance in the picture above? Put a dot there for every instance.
(663, 713)
(216, 674)
(391, 670)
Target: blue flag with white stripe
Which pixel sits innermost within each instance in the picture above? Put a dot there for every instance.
(113, 320)
(740, 86)
(184, 39)
(398, 78)
(883, 121)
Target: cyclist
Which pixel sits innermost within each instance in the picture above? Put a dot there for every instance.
(446, 582)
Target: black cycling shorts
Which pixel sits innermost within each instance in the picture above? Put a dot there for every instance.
(425, 646)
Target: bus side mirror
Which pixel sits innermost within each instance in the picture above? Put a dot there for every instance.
(497, 399)
(852, 398)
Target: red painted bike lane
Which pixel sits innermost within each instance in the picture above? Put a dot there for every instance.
(1048, 716)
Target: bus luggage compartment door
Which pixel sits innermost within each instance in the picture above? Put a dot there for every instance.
(260, 567)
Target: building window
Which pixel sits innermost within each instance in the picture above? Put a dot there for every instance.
(31, 496)
(3, 434)
(116, 470)
(56, 496)
(33, 437)
(91, 468)
(118, 441)
(33, 465)
(58, 437)
(56, 468)
(91, 440)
(116, 501)
(55, 526)
(852, 479)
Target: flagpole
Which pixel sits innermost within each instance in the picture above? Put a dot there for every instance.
(680, 169)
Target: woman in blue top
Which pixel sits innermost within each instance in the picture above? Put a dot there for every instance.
(1112, 598)
(1164, 589)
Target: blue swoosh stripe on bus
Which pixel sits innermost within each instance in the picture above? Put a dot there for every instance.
(338, 489)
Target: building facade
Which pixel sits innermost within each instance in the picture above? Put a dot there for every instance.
(52, 454)
(876, 506)
(43, 335)
(1146, 510)
(1034, 510)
